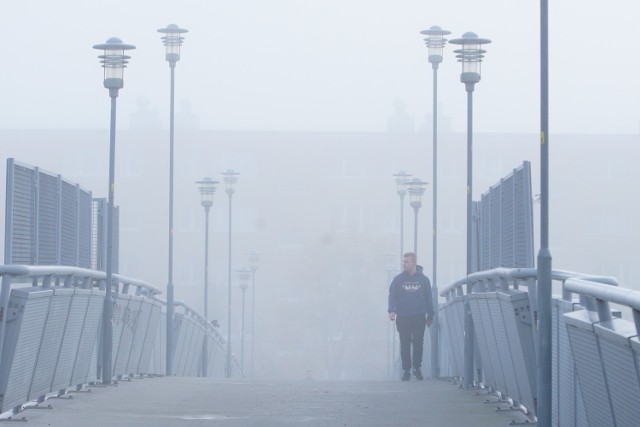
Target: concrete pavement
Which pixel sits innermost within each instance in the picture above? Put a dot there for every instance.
(185, 401)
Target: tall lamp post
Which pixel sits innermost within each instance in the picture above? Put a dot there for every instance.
(207, 189)
(470, 55)
(244, 274)
(254, 260)
(416, 189)
(435, 42)
(544, 254)
(230, 179)
(113, 61)
(172, 40)
(401, 188)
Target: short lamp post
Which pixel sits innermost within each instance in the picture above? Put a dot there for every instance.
(435, 42)
(416, 189)
(113, 60)
(207, 188)
(401, 188)
(470, 55)
(254, 261)
(230, 179)
(244, 274)
(172, 40)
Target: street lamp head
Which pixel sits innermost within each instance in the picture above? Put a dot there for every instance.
(230, 178)
(416, 189)
(172, 40)
(254, 259)
(114, 62)
(244, 274)
(207, 189)
(401, 182)
(470, 55)
(435, 41)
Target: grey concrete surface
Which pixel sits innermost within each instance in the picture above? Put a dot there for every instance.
(179, 401)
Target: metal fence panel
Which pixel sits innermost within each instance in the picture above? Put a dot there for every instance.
(139, 337)
(20, 214)
(152, 334)
(496, 227)
(481, 330)
(122, 334)
(195, 356)
(192, 350)
(158, 354)
(447, 345)
(85, 369)
(502, 340)
(84, 228)
(619, 365)
(517, 318)
(492, 344)
(566, 396)
(71, 341)
(179, 336)
(586, 355)
(49, 349)
(450, 309)
(25, 322)
(68, 224)
(506, 222)
(46, 218)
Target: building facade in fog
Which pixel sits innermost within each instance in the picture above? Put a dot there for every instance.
(322, 210)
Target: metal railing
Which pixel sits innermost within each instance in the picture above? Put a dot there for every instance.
(503, 308)
(50, 332)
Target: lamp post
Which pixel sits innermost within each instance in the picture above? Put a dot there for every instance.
(230, 179)
(113, 61)
(416, 190)
(544, 255)
(172, 40)
(435, 42)
(207, 189)
(470, 55)
(254, 259)
(243, 278)
(401, 188)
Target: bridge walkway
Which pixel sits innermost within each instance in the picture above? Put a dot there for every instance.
(192, 401)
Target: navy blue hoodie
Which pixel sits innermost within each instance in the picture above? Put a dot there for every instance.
(411, 295)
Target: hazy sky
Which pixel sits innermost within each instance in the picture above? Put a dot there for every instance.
(321, 65)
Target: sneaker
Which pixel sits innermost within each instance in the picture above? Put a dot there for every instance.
(406, 376)
(418, 374)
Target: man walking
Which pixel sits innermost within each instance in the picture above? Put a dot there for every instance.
(411, 307)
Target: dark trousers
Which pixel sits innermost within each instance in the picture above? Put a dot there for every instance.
(411, 331)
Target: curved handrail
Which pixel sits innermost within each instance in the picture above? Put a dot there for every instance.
(521, 274)
(605, 294)
(36, 271)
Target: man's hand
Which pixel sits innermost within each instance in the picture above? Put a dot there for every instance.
(429, 322)
(392, 316)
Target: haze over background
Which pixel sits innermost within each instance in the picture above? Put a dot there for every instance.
(322, 208)
(321, 65)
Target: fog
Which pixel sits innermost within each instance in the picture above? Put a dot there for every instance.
(322, 65)
(301, 98)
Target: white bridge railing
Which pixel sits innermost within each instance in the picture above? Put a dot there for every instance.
(595, 355)
(50, 332)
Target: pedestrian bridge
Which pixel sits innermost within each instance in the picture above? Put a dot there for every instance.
(197, 401)
(52, 348)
